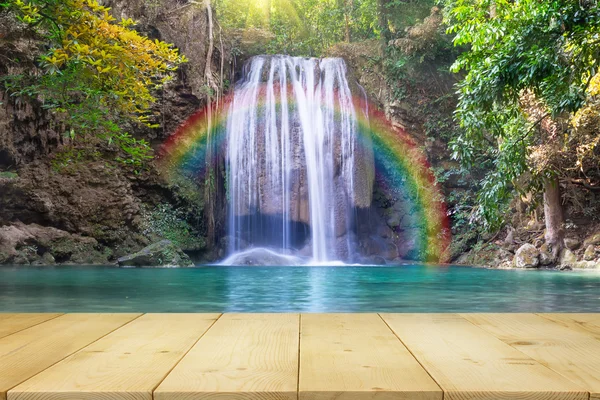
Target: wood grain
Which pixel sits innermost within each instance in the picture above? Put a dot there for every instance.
(356, 356)
(470, 363)
(11, 323)
(588, 323)
(30, 351)
(573, 354)
(249, 356)
(127, 364)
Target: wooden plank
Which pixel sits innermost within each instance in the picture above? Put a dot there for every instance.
(356, 356)
(249, 356)
(11, 323)
(127, 364)
(26, 353)
(588, 323)
(573, 354)
(469, 363)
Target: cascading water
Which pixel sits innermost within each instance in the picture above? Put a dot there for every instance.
(291, 156)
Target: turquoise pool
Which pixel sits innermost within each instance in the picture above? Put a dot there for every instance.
(296, 289)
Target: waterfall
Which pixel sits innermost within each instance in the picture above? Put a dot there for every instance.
(292, 135)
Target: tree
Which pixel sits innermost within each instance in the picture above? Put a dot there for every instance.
(528, 67)
(302, 27)
(97, 74)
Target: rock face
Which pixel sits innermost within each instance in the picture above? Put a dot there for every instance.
(161, 254)
(38, 245)
(590, 253)
(92, 199)
(527, 256)
(95, 202)
(185, 24)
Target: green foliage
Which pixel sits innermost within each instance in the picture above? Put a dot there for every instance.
(301, 27)
(95, 74)
(545, 50)
(165, 222)
(8, 175)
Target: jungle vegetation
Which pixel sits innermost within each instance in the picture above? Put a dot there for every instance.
(527, 97)
(94, 73)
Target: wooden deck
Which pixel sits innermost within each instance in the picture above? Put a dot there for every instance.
(304, 357)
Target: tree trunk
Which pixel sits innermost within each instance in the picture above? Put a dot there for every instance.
(268, 12)
(553, 215)
(348, 4)
(347, 28)
(382, 18)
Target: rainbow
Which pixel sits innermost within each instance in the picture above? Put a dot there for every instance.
(399, 164)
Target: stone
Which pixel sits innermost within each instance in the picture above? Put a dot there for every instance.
(585, 265)
(527, 257)
(394, 220)
(47, 259)
(567, 258)
(161, 254)
(502, 256)
(40, 245)
(590, 253)
(373, 260)
(546, 258)
(572, 244)
(260, 257)
(546, 255)
(594, 240)
(385, 232)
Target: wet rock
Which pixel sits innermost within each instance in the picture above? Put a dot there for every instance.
(373, 260)
(567, 258)
(590, 253)
(527, 257)
(161, 254)
(375, 246)
(572, 244)
(39, 245)
(385, 232)
(394, 220)
(261, 256)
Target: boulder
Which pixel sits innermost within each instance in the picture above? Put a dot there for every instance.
(546, 256)
(527, 257)
(585, 265)
(373, 260)
(590, 253)
(572, 244)
(567, 258)
(394, 220)
(261, 256)
(161, 254)
(41, 245)
(592, 240)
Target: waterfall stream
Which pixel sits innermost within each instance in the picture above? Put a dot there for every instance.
(292, 136)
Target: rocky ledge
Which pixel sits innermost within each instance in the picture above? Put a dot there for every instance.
(161, 254)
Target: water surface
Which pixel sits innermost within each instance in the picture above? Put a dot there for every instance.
(296, 289)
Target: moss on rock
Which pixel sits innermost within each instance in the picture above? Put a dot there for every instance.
(162, 254)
